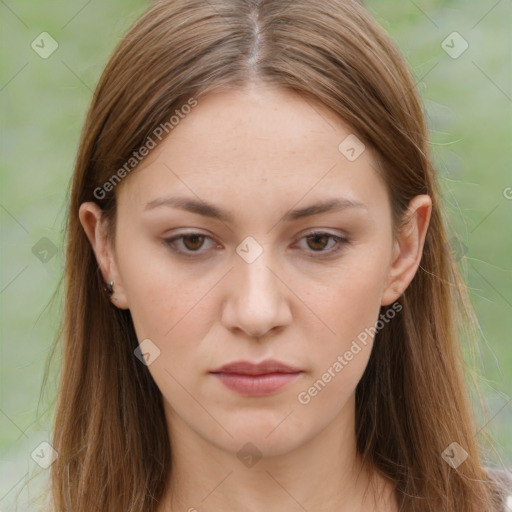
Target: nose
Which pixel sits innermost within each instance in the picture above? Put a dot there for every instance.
(259, 301)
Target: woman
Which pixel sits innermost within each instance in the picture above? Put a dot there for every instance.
(262, 309)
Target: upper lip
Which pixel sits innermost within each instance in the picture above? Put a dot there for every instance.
(262, 368)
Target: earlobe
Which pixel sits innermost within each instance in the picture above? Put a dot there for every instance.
(93, 223)
(408, 248)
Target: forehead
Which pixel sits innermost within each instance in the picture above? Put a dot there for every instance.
(244, 122)
(261, 143)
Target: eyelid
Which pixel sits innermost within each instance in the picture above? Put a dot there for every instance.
(322, 231)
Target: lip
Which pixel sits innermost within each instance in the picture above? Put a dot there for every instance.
(261, 368)
(256, 379)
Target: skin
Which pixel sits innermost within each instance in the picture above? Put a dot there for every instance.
(257, 153)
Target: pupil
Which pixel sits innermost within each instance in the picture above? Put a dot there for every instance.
(315, 239)
(196, 241)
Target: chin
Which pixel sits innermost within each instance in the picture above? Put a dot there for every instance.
(265, 436)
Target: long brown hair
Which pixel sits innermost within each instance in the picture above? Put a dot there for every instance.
(412, 403)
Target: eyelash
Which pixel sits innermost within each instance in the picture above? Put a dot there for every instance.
(340, 242)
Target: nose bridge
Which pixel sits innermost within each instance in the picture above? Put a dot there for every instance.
(258, 280)
(258, 302)
(253, 262)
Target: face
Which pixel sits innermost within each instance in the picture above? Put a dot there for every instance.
(250, 234)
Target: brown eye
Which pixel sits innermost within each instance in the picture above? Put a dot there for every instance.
(193, 242)
(190, 244)
(318, 242)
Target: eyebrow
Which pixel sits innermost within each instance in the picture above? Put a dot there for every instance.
(209, 210)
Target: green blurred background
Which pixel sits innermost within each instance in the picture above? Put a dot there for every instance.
(468, 101)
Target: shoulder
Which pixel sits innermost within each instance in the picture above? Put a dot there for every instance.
(503, 481)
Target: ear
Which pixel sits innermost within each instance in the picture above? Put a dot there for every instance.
(94, 224)
(408, 248)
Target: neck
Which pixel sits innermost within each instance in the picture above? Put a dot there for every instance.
(324, 474)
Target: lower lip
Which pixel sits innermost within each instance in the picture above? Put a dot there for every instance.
(256, 385)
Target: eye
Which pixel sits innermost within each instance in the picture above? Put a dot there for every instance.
(193, 244)
(324, 243)
(188, 243)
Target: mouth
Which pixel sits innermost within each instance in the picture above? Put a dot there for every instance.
(256, 379)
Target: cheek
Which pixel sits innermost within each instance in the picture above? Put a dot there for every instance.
(349, 302)
(348, 298)
(351, 309)
(172, 312)
(165, 302)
